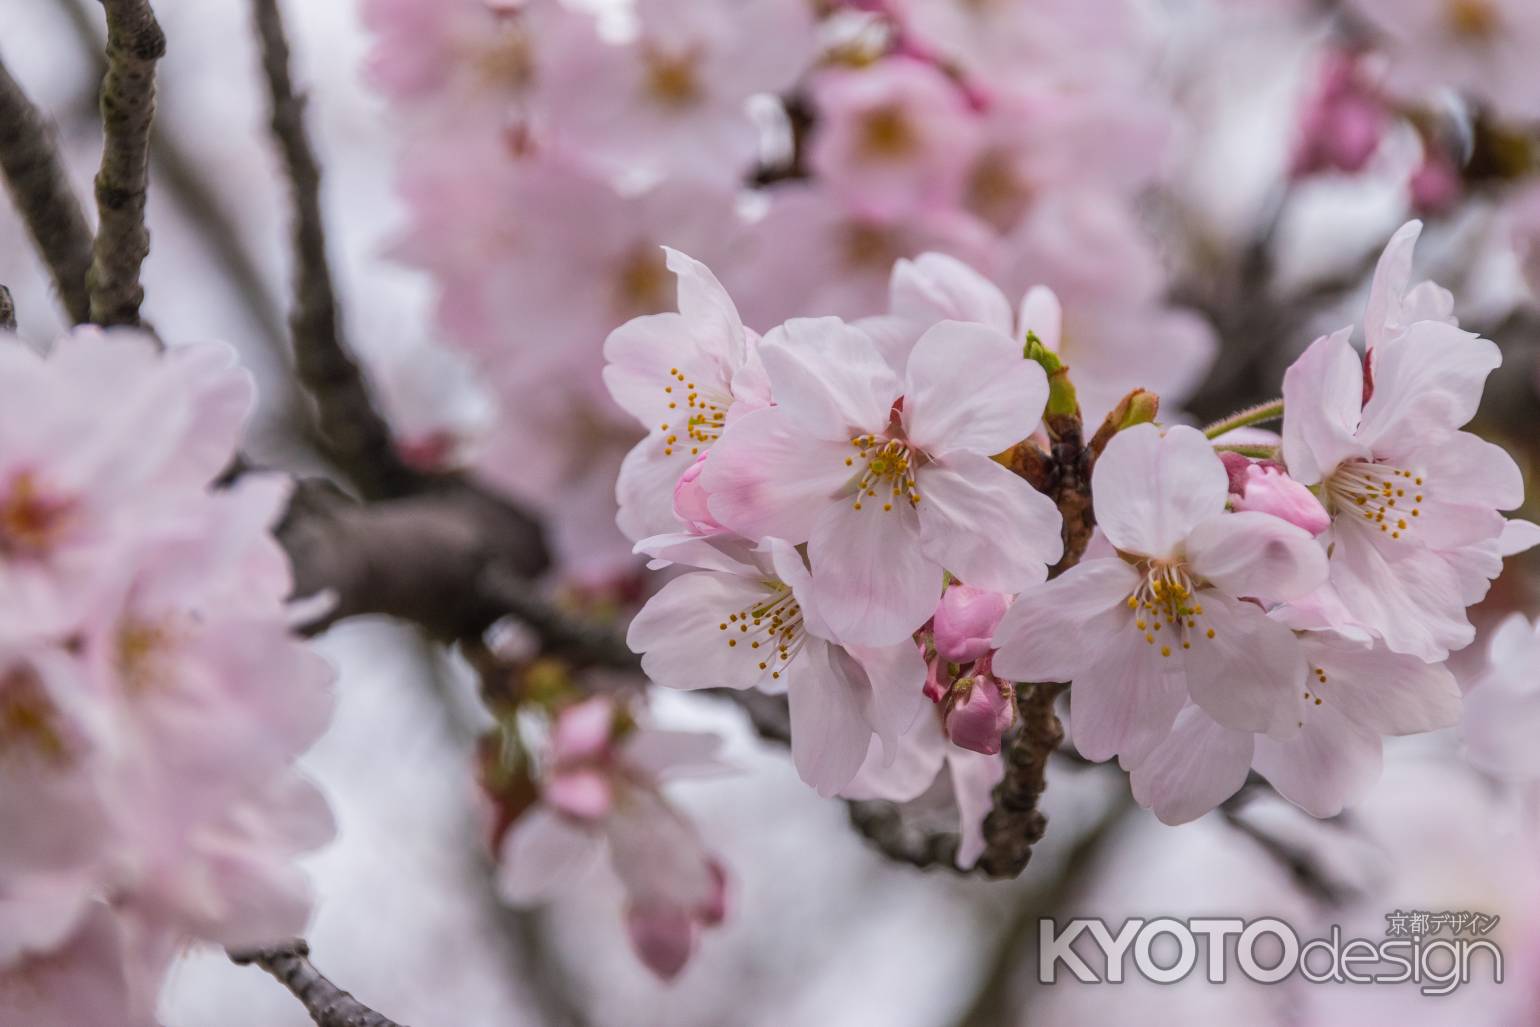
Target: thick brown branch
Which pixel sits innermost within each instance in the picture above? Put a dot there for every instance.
(884, 825)
(327, 1004)
(39, 186)
(351, 429)
(135, 43)
(1016, 824)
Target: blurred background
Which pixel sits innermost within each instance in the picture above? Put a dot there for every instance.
(822, 930)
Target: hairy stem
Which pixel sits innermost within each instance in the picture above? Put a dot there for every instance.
(327, 1004)
(1259, 414)
(135, 43)
(39, 186)
(351, 430)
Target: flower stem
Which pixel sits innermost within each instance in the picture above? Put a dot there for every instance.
(1269, 411)
(1257, 452)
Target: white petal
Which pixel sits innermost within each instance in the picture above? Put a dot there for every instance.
(1432, 376)
(1257, 555)
(1125, 703)
(1518, 536)
(829, 376)
(1392, 274)
(829, 732)
(1385, 692)
(645, 489)
(707, 307)
(680, 635)
(974, 777)
(968, 387)
(1085, 603)
(912, 769)
(1246, 675)
(1406, 594)
(872, 583)
(935, 287)
(1322, 400)
(1041, 315)
(767, 477)
(1331, 763)
(1151, 490)
(895, 677)
(640, 356)
(542, 854)
(986, 525)
(1196, 767)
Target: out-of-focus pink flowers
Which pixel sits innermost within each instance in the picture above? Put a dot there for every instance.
(1344, 121)
(1502, 704)
(600, 792)
(152, 697)
(1264, 486)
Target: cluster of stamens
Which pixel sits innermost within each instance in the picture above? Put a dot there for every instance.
(1381, 495)
(28, 718)
(704, 415)
(30, 519)
(888, 466)
(1166, 601)
(771, 629)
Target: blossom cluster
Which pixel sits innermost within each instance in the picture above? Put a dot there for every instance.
(799, 149)
(152, 696)
(847, 538)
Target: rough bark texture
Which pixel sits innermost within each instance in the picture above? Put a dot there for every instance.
(135, 43)
(1015, 824)
(328, 1005)
(351, 431)
(39, 186)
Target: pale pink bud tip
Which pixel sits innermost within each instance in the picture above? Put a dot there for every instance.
(690, 501)
(966, 621)
(585, 794)
(583, 732)
(663, 937)
(1264, 487)
(983, 711)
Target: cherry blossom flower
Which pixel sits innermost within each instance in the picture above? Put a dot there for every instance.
(1502, 703)
(1350, 696)
(674, 98)
(888, 494)
(1163, 620)
(106, 971)
(684, 376)
(600, 792)
(893, 137)
(1478, 46)
(1344, 121)
(1409, 492)
(752, 619)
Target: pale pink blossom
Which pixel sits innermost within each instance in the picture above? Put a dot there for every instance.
(752, 619)
(1481, 47)
(1501, 721)
(1264, 486)
(1164, 620)
(684, 376)
(923, 752)
(888, 494)
(1350, 696)
(964, 623)
(1343, 121)
(892, 138)
(674, 98)
(107, 971)
(673, 886)
(1079, 40)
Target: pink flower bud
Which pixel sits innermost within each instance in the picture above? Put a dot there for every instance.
(1345, 121)
(1264, 487)
(690, 501)
(584, 793)
(965, 622)
(583, 732)
(982, 709)
(663, 937)
(715, 909)
(1436, 185)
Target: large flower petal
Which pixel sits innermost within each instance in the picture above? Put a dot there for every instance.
(1387, 693)
(708, 308)
(829, 376)
(986, 525)
(1152, 489)
(829, 730)
(1331, 763)
(936, 287)
(895, 676)
(1408, 595)
(767, 477)
(909, 771)
(542, 854)
(1246, 672)
(1431, 378)
(1322, 401)
(1085, 603)
(974, 777)
(1125, 703)
(681, 638)
(969, 388)
(1197, 766)
(1258, 555)
(872, 583)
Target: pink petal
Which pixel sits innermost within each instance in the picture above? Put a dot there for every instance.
(968, 387)
(1084, 603)
(1256, 555)
(1152, 489)
(985, 524)
(1199, 765)
(873, 583)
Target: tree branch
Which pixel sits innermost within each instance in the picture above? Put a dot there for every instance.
(1015, 824)
(39, 186)
(135, 43)
(328, 1005)
(351, 430)
(7, 311)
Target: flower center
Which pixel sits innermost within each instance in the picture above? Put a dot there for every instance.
(507, 60)
(886, 133)
(31, 521)
(995, 192)
(888, 468)
(1473, 19)
(869, 247)
(1166, 610)
(138, 658)
(703, 416)
(671, 78)
(642, 282)
(770, 629)
(27, 718)
(1383, 496)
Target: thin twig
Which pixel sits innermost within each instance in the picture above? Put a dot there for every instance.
(328, 1005)
(135, 43)
(350, 427)
(40, 187)
(7, 311)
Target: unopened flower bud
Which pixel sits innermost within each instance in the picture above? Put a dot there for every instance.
(690, 501)
(965, 621)
(663, 937)
(982, 709)
(1264, 487)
